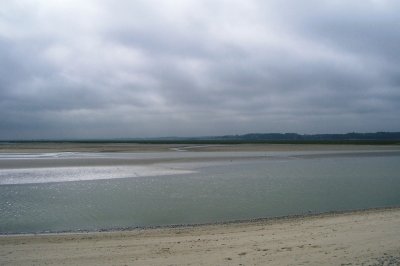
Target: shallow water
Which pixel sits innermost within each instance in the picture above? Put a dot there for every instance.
(116, 197)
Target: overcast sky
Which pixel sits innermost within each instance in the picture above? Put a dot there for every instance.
(111, 69)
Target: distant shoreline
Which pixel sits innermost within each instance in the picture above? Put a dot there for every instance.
(266, 138)
(207, 142)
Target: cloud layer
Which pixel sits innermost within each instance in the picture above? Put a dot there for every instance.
(99, 69)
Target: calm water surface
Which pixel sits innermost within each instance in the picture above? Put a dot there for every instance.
(202, 193)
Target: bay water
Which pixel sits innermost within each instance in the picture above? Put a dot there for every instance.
(193, 193)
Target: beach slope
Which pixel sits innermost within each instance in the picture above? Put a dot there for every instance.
(364, 237)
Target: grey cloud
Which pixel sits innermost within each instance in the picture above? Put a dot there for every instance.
(136, 69)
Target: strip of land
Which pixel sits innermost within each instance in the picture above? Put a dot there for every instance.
(149, 154)
(138, 147)
(364, 237)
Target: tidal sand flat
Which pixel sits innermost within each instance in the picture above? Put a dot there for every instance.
(356, 238)
(91, 191)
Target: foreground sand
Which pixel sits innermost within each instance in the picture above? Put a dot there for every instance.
(358, 238)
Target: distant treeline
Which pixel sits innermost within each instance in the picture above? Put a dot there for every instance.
(393, 136)
(281, 138)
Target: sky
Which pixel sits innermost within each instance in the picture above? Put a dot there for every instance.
(132, 68)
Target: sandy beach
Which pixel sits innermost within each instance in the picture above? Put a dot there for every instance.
(356, 238)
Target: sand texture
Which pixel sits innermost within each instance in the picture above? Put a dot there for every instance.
(357, 238)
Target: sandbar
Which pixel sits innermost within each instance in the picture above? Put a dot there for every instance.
(140, 147)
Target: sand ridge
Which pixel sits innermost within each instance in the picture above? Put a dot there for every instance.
(138, 147)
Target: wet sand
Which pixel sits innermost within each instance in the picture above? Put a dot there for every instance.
(356, 238)
(134, 147)
(150, 154)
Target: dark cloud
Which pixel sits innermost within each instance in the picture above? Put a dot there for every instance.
(144, 68)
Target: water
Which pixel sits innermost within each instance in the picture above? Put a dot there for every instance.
(193, 192)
